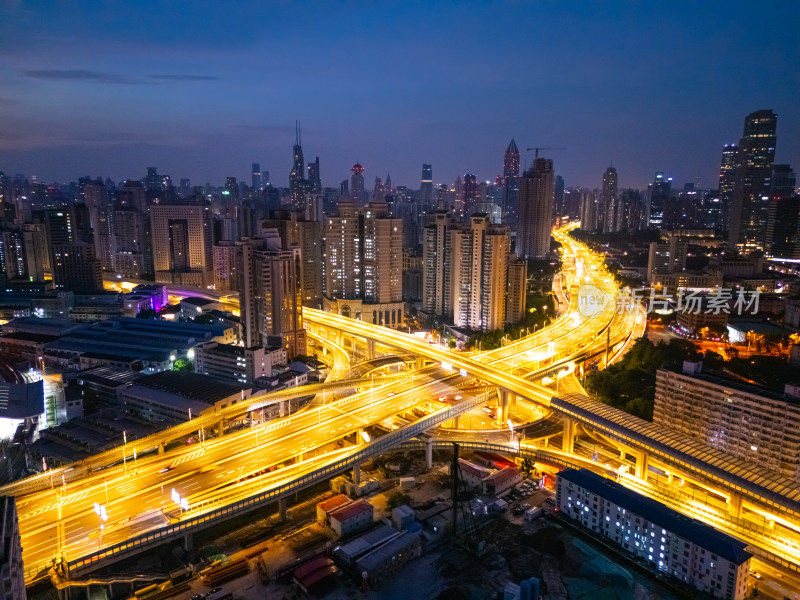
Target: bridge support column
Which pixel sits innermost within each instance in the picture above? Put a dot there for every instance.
(188, 542)
(370, 349)
(420, 362)
(282, 509)
(502, 408)
(568, 437)
(429, 454)
(282, 408)
(735, 506)
(357, 474)
(161, 447)
(641, 465)
(221, 428)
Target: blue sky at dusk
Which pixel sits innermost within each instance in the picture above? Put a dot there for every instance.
(202, 89)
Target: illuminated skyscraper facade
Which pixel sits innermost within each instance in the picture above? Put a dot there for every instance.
(749, 211)
(535, 210)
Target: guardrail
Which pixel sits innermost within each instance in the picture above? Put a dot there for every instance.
(107, 458)
(134, 545)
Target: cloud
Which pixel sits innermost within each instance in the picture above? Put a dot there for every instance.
(80, 75)
(115, 78)
(172, 77)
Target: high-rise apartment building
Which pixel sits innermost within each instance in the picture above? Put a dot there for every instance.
(608, 200)
(76, 269)
(129, 242)
(434, 264)
(757, 425)
(96, 198)
(363, 262)
(665, 257)
(516, 288)
(476, 262)
(749, 211)
(535, 210)
(299, 232)
(470, 193)
(182, 244)
(270, 294)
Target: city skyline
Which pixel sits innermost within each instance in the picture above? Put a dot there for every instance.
(203, 94)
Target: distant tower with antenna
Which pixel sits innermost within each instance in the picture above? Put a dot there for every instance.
(298, 184)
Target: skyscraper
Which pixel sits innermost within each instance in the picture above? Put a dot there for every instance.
(511, 160)
(182, 244)
(470, 192)
(783, 222)
(426, 189)
(727, 179)
(357, 188)
(608, 200)
(750, 207)
(314, 180)
(256, 181)
(535, 210)
(660, 193)
(270, 294)
(510, 181)
(297, 181)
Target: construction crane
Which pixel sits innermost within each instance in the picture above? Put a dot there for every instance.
(544, 148)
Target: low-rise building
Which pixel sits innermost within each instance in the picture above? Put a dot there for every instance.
(237, 363)
(172, 397)
(388, 558)
(684, 548)
(326, 507)
(502, 481)
(352, 518)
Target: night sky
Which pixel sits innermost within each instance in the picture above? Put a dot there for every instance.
(203, 89)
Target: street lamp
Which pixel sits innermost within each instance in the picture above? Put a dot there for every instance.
(124, 451)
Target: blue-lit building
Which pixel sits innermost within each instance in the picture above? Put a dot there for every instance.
(680, 546)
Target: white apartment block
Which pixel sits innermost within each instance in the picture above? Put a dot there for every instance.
(682, 547)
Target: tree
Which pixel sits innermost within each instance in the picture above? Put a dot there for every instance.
(398, 498)
(451, 343)
(528, 466)
(183, 365)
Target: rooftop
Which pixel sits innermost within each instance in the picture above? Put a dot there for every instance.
(189, 385)
(333, 503)
(690, 529)
(729, 382)
(351, 510)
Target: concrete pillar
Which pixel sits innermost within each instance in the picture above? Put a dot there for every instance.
(282, 509)
(161, 447)
(370, 349)
(357, 474)
(735, 506)
(282, 408)
(568, 437)
(420, 362)
(429, 454)
(188, 541)
(512, 401)
(221, 428)
(502, 408)
(641, 465)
